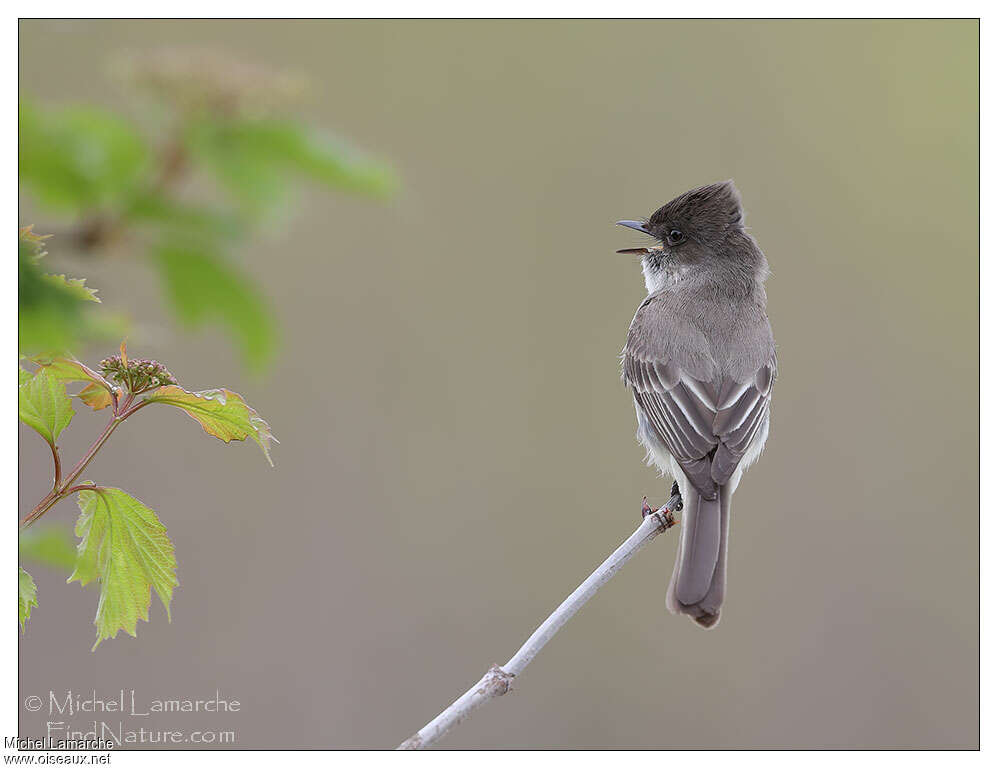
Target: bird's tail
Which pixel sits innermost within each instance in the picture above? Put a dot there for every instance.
(698, 584)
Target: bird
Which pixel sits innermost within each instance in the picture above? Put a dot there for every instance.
(700, 362)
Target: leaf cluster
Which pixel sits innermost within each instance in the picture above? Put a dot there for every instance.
(186, 192)
(123, 546)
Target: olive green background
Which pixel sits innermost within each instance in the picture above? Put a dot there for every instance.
(457, 448)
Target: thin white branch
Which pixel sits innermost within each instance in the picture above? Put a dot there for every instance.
(497, 681)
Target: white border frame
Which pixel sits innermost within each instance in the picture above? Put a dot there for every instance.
(989, 373)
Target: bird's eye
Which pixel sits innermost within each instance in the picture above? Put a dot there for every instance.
(675, 237)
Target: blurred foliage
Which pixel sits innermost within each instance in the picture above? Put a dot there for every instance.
(51, 309)
(50, 545)
(80, 159)
(183, 184)
(202, 286)
(27, 596)
(223, 155)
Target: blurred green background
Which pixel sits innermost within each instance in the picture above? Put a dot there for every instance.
(457, 448)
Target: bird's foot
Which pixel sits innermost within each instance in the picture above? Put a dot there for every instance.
(675, 498)
(665, 513)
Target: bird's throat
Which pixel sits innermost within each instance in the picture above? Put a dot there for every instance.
(662, 271)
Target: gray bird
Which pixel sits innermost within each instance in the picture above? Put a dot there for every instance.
(700, 362)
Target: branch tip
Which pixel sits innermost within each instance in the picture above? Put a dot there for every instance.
(498, 680)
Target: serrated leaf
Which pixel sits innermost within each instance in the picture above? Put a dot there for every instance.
(74, 287)
(51, 545)
(27, 596)
(31, 243)
(201, 286)
(42, 404)
(23, 375)
(125, 547)
(97, 393)
(52, 310)
(222, 413)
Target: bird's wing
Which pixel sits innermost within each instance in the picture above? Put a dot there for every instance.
(706, 426)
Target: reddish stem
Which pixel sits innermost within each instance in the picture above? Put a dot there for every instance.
(66, 488)
(134, 409)
(91, 486)
(58, 466)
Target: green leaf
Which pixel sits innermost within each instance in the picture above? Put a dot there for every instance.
(51, 545)
(79, 159)
(124, 546)
(51, 308)
(73, 287)
(23, 375)
(27, 596)
(253, 182)
(31, 245)
(203, 287)
(98, 392)
(320, 157)
(66, 369)
(253, 157)
(42, 404)
(222, 413)
(175, 218)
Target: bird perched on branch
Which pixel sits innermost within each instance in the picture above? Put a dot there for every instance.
(700, 362)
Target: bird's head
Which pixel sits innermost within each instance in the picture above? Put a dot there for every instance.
(696, 228)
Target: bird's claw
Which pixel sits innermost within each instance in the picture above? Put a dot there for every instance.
(665, 513)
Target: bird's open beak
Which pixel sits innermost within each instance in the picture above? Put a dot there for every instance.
(641, 227)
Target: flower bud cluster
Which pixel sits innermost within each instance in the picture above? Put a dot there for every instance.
(138, 374)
